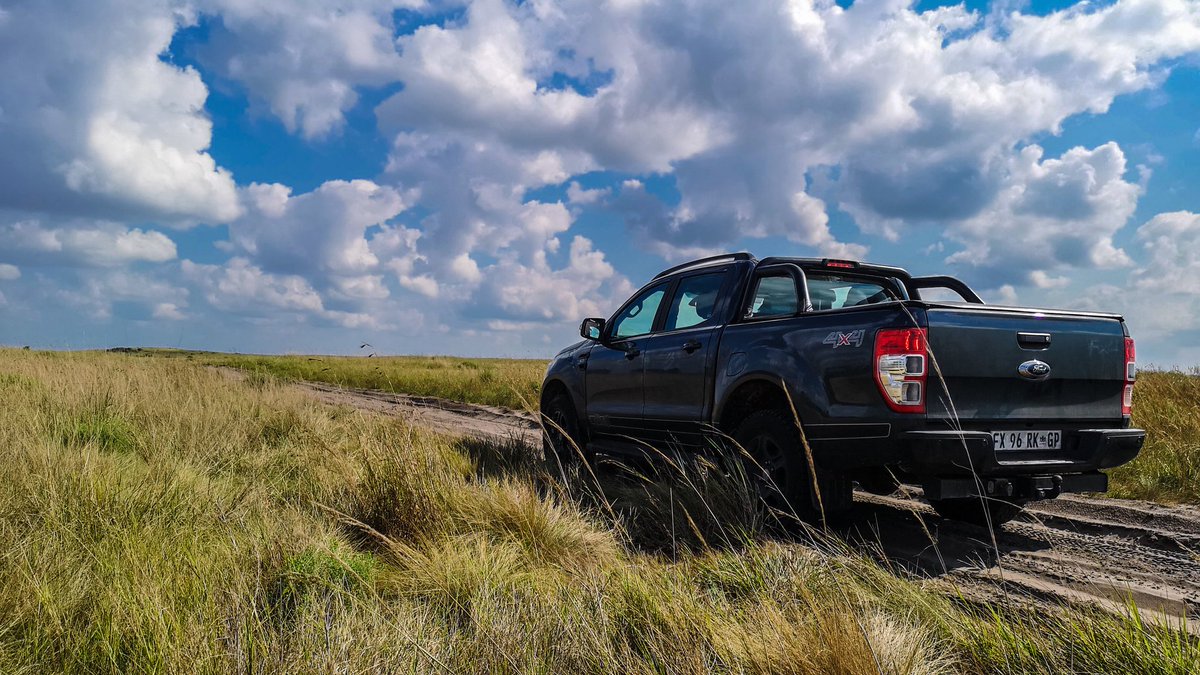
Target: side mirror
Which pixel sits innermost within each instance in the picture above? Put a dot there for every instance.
(591, 329)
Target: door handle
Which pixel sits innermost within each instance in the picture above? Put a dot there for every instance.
(691, 346)
(632, 352)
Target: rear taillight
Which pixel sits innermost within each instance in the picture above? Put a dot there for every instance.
(900, 371)
(1130, 376)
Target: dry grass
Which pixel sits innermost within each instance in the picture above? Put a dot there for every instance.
(1167, 405)
(155, 517)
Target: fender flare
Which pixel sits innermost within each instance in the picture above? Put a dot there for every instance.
(758, 377)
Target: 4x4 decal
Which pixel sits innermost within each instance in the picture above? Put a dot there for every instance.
(852, 339)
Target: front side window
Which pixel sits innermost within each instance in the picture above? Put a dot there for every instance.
(638, 316)
(774, 296)
(695, 301)
(834, 291)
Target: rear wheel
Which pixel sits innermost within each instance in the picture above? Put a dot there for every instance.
(978, 511)
(779, 471)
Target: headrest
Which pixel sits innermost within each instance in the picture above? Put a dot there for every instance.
(822, 298)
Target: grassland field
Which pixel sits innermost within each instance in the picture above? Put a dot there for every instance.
(157, 517)
(1167, 403)
(511, 383)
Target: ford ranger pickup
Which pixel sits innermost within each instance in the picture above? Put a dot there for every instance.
(858, 367)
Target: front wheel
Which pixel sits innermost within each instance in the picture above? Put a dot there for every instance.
(560, 431)
(981, 512)
(778, 468)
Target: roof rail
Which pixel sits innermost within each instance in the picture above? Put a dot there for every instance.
(734, 257)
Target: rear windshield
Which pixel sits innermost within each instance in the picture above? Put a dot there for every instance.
(836, 291)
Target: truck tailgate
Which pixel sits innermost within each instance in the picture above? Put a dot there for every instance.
(980, 352)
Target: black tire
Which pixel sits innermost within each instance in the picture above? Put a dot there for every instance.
(560, 431)
(978, 511)
(778, 468)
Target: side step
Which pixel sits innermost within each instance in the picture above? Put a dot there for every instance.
(622, 449)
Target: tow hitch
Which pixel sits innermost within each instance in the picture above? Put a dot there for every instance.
(1029, 487)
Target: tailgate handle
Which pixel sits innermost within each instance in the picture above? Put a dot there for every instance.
(1033, 340)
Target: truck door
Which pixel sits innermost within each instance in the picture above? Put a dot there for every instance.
(679, 357)
(614, 369)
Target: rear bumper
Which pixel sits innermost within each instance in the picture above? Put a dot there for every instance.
(970, 453)
(1017, 487)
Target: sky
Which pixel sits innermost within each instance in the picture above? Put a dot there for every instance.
(474, 178)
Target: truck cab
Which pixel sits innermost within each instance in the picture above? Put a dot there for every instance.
(849, 364)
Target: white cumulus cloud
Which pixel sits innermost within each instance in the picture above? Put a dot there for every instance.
(305, 59)
(1051, 214)
(891, 114)
(137, 294)
(240, 287)
(100, 244)
(587, 286)
(96, 123)
(169, 311)
(322, 231)
(1172, 246)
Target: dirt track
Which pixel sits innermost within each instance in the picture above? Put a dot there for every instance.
(1081, 549)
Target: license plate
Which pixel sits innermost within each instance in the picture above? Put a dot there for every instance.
(1027, 440)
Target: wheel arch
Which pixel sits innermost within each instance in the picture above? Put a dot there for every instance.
(554, 387)
(747, 396)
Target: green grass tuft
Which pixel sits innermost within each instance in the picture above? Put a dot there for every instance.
(338, 568)
(102, 425)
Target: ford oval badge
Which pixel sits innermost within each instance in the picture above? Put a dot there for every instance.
(1034, 370)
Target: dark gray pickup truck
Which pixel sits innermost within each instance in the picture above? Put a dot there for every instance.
(985, 407)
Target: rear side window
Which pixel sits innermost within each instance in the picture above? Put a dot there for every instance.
(695, 301)
(773, 296)
(830, 291)
(940, 294)
(638, 316)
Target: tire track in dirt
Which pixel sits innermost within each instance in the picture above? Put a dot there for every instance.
(452, 417)
(1094, 550)
(1078, 558)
